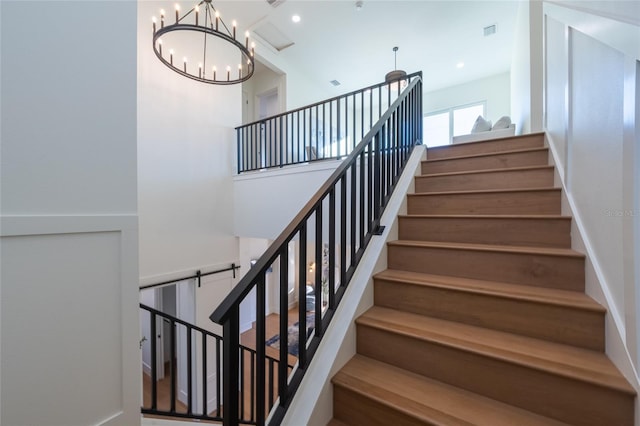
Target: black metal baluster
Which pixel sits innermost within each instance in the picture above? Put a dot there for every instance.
(324, 131)
(218, 376)
(189, 371)
(173, 366)
(242, 384)
(353, 193)
(376, 180)
(318, 134)
(346, 126)
(332, 248)
(239, 151)
(361, 194)
(343, 230)
(370, 159)
(302, 293)
(362, 132)
(205, 405)
(354, 141)
(252, 386)
(304, 133)
(280, 131)
(154, 362)
(260, 348)
(284, 325)
(318, 271)
(331, 129)
(338, 154)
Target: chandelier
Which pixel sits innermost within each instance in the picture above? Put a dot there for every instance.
(202, 33)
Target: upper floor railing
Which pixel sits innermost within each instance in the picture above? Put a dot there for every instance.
(324, 130)
(295, 287)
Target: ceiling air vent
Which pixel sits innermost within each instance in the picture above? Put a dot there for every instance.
(335, 82)
(490, 30)
(275, 3)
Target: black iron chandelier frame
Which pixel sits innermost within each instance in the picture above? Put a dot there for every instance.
(213, 25)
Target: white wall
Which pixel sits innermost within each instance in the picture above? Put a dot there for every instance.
(494, 90)
(69, 338)
(591, 117)
(527, 69)
(186, 157)
(265, 202)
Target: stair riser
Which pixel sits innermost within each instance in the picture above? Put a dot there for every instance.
(354, 408)
(572, 326)
(560, 272)
(519, 232)
(526, 202)
(542, 392)
(485, 147)
(531, 178)
(497, 161)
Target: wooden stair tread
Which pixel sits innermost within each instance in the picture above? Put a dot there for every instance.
(567, 361)
(485, 191)
(485, 171)
(427, 400)
(334, 422)
(543, 251)
(487, 216)
(543, 295)
(488, 154)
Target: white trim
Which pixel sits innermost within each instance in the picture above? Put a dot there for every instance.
(313, 166)
(20, 225)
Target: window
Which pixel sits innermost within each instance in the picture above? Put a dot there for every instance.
(439, 127)
(436, 129)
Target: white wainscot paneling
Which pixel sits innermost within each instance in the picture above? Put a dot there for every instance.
(67, 357)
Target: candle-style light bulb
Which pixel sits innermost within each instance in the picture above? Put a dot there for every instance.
(161, 18)
(235, 24)
(214, 72)
(160, 46)
(228, 72)
(253, 48)
(171, 56)
(177, 12)
(217, 18)
(239, 70)
(185, 63)
(153, 19)
(197, 13)
(200, 70)
(246, 39)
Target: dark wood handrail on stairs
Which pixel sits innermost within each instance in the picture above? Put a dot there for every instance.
(339, 219)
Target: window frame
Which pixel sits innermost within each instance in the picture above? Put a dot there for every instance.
(451, 110)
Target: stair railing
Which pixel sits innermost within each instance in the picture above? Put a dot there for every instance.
(325, 130)
(192, 385)
(322, 246)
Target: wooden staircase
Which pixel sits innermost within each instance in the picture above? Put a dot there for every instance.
(481, 318)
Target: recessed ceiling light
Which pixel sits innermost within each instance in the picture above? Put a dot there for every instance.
(460, 65)
(295, 18)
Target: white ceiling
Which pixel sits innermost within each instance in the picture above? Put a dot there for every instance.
(333, 40)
